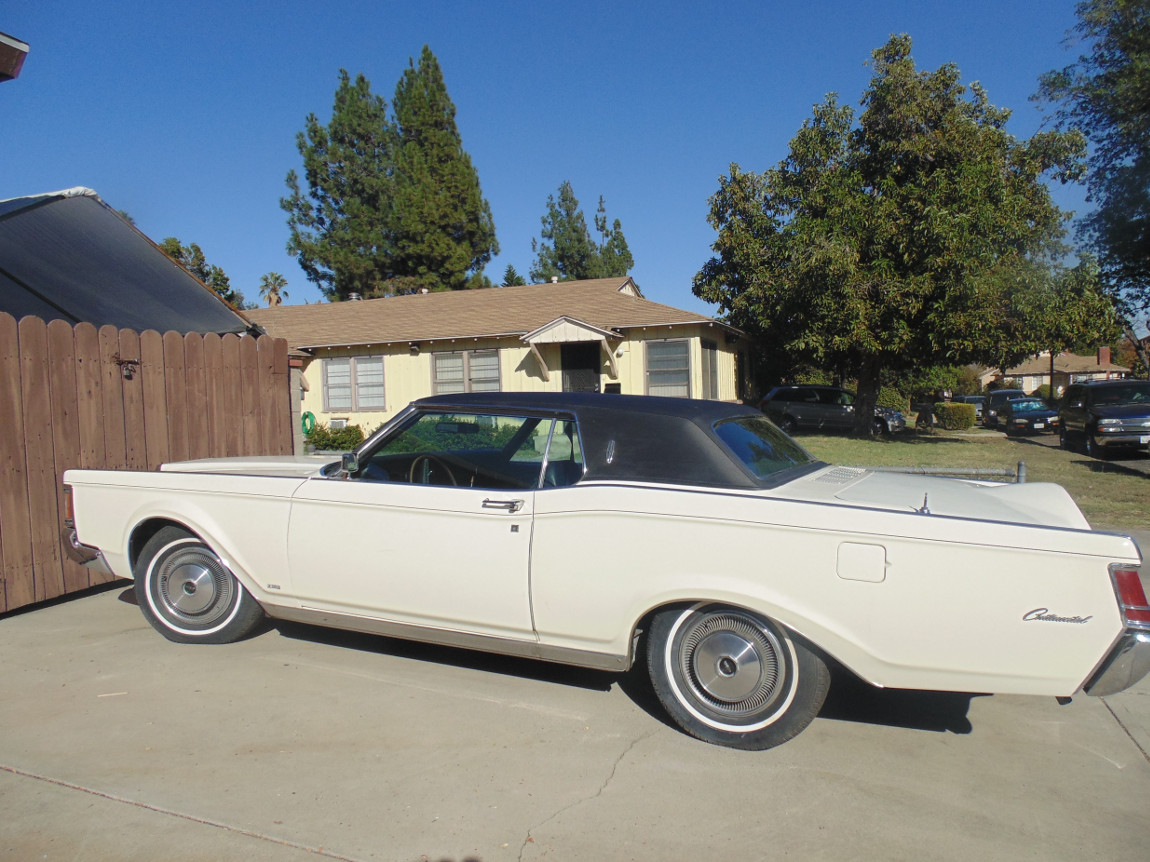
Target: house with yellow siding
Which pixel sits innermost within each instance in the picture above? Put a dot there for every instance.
(361, 362)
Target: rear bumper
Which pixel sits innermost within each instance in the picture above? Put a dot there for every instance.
(1125, 666)
(85, 555)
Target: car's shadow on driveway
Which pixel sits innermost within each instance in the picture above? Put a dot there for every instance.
(455, 656)
(851, 699)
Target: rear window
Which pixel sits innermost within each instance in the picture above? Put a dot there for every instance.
(762, 447)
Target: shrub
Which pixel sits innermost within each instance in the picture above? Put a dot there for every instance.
(888, 396)
(325, 439)
(953, 415)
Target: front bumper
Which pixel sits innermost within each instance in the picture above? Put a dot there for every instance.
(1125, 666)
(1123, 440)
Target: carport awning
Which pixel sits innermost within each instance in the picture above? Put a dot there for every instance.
(68, 256)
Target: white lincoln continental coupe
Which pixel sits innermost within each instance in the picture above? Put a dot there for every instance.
(693, 537)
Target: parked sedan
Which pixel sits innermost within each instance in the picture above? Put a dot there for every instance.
(1027, 416)
(812, 407)
(692, 538)
(994, 401)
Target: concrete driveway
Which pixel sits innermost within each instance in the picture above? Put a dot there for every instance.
(301, 744)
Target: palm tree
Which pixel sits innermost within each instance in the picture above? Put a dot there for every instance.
(272, 286)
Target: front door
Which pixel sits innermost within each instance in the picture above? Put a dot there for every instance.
(432, 528)
(581, 361)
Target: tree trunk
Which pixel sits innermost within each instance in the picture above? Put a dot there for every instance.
(866, 398)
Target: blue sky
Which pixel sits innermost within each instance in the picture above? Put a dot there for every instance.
(185, 114)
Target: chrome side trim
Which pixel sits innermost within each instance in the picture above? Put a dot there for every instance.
(1123, 667)
(448, 637)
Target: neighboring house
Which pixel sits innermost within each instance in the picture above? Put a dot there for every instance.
(68, 256)
(363, 361)
(1068, 368)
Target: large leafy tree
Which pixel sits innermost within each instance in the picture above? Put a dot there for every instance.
(1106, 94)
(393, 203)
(567, 250)
(191, 257)
(442, 229)
(901, 238)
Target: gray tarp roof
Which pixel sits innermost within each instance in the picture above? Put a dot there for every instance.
(68, 256)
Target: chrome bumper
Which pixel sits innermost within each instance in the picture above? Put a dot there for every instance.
(1127, 663)
(85, 555)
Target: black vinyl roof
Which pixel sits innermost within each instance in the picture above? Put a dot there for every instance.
(649, 439)
(68, 256)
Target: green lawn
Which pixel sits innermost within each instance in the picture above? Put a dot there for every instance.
(1110, 495)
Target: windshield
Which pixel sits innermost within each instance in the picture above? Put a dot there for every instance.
(1027, 405)
(762, 447)
(1131, 393)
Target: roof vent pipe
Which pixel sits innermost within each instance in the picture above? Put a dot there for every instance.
(554, 279)
(354, 297)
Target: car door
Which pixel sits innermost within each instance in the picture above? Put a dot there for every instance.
(434, 529)
(1073, 410)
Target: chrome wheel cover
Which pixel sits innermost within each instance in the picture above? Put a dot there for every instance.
(730, 669)
(191, 587)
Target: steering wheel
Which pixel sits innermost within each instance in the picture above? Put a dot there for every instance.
(425, 474)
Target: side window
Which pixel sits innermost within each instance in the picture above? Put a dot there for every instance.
(353, 383)
(669, 368)
(564, 457)
(465, 371)
(473, 450)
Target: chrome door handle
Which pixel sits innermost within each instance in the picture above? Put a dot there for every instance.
(509, 505)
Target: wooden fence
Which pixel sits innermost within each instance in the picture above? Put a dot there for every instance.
(75, 396)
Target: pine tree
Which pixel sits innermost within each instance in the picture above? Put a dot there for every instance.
(340, 230)
(511, 277)
(567, 250)
(443, 230)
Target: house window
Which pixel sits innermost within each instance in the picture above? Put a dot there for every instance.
(669, 368)
(353, 383)
(465, 371)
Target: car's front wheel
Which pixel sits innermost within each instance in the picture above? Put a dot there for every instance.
(734, 678)
(188, 593)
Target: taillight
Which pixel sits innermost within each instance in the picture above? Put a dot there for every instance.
(69, 515)
(1131, 595)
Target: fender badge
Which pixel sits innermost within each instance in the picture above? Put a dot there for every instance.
(1043, 615)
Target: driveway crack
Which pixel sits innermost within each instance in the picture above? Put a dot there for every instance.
(203, 821)
(1126, 730)
(606, 782)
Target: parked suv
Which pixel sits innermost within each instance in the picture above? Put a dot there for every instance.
(822, 408)
(993, 403)
(1106, 415)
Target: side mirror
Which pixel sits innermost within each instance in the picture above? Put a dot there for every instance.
(349, 463)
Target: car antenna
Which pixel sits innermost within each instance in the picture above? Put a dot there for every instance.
(925, 510)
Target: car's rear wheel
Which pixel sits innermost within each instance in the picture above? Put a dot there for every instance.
(188, 594)
(734, 678)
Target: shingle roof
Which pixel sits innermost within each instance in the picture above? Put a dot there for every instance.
(517, 310)
(1064, 363)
